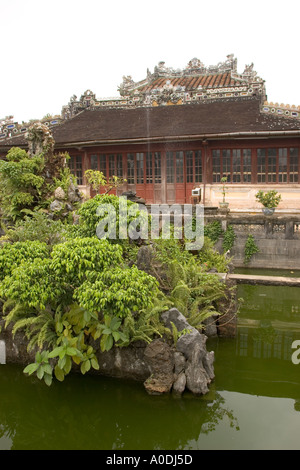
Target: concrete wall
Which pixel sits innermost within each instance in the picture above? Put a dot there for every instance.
(277, 237)
(242, 196)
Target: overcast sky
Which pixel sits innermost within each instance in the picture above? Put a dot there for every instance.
(52, 50)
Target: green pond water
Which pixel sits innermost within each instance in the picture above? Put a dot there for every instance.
(254, 402)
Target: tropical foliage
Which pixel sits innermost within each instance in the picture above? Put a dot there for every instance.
(70, 293)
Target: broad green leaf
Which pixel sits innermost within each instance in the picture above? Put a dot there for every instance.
(94, 363)
(72, 351)
(47, 369)
(116, 335)
(68, 365)
(55, 351)
(109, 343)
(31, 368)
(59, 374)
(40, 372)
(48, 379)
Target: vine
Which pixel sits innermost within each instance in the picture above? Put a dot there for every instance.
(228, 238)
(250, 249)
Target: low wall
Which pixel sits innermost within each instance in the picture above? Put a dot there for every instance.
(277, 237)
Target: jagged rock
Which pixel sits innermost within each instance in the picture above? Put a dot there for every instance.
(179, 384)
(59, 193)
(56, 206)
(173, 315)
(208, 362)
(179, 362)
(191, 356)
(197, 379)
(73, 193)
(160, 358)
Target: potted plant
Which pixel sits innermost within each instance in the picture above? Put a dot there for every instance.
(269, 199)
(224, 204)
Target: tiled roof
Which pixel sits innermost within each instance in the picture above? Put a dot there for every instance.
(165, 122)
(193, 83)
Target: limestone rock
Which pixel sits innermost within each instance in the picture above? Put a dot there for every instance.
(179, 384)
(179, 362)
(73, 193)
(59, 193)
(197, 379)
(56, 205)
(191, 358)
(159, 356)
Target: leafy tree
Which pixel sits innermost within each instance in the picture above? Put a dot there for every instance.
(21, 182)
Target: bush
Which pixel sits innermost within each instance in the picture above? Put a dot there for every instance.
(269, 199)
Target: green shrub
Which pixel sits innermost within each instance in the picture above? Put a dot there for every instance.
(269, 199)
(250, 249)
(228, 239)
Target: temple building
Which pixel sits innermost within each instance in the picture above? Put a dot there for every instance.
(179, 130)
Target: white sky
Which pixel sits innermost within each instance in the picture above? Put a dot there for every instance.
(51, 50)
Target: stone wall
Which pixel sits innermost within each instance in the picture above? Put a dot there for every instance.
(277, 237)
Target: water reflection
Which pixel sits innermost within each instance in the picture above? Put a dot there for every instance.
(99, 413)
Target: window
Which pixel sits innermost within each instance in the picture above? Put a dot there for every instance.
(233, 164)
(75, 165)
(261, 165)
(94, 162)
(198, 166)
(277, 165)
(157, 167)
(113, 163)
(130, 168)
(282, 165)
(149, 168)
(294, 159)
(103, 164)
(272, 165)
(170, 167)
(216, 162)
(140, 168)
(193, 166)
(247, 166)
(179, 167)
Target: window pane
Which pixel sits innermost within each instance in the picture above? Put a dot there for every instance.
(139, 168)
(282, 165)
(247, 169)
(103, 164)
(198, 166)
(149, 168)
(189, 167)
(216, 161)
(111, 160)
(170, 167)
(271, 165)
(294, 159)
(94, 162)
(119, 166)
(157, 166)
(130, 168)
(236, 165)
(75, 165)
(261, 165)
(226, 164)
(179, 167)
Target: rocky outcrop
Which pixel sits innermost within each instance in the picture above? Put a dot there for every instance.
(193, 364)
